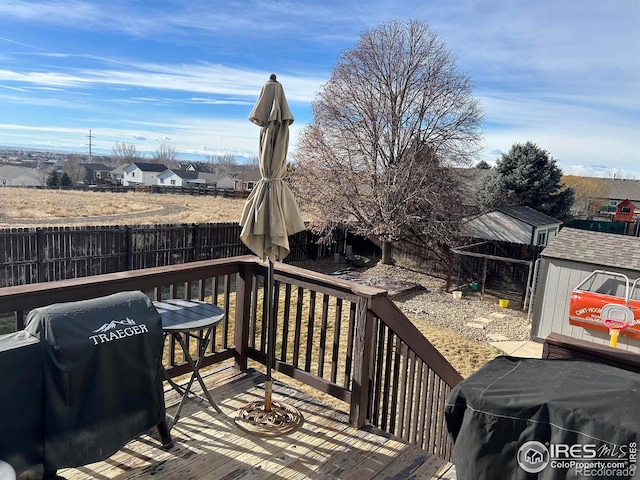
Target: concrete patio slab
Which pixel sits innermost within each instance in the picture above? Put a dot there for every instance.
(525, 349)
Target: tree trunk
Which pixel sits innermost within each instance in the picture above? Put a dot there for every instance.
(386, 253)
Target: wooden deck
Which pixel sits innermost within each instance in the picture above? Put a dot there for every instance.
(211, 446)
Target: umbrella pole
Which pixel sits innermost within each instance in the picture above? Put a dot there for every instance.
(269, 418)
(271, 337)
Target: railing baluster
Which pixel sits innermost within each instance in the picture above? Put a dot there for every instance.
(202, 284)
(245, 280)
(416, 402)
(434, 390)
(296, 341)
(402, 390)
(263, 324)
(310, 322)
(409, 396)
(387, 379)
(285, 321)
(394, 388)
(323, 334)
(254, 312)
(274, 315)
(377, 384)
(336, 341)
(423, 408)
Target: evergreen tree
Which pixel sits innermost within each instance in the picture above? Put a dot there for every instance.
(53, 180)
(528, 176)
(65, 180)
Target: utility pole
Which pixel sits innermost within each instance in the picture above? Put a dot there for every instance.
(90, 137)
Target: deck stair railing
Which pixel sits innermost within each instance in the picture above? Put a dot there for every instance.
(344, 339)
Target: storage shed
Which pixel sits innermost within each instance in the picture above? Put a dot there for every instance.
(523, 225)
(572, 256)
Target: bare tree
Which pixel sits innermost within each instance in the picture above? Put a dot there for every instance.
(74, 168)
(43, 170)
(589, 194)
(394, 114)
(224, 164)
(166, 155)
(254, 161)
(126, 153)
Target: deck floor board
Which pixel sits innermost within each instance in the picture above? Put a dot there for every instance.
(211, 446)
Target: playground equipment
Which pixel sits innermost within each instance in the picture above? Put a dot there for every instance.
(609, 302)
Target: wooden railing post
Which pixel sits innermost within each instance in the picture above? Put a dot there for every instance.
(363, 350)
(244, 281)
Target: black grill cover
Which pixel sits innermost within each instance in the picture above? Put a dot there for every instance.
(103, 378)
(21, 400)
(511, 401)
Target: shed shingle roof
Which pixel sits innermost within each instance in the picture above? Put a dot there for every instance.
(596, 248)
(529, 215)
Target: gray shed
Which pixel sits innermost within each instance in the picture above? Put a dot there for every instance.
(570, 258)
(523, 225)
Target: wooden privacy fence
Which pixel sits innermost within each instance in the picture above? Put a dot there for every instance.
(344, 339)
(31, 255)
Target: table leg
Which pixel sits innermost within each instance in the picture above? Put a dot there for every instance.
(195, 367)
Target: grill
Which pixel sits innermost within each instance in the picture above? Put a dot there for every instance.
(101, 377)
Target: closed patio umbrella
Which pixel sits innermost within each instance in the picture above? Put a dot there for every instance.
(269, 216)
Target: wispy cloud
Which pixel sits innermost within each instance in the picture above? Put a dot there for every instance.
(565, 75)
(202, 78)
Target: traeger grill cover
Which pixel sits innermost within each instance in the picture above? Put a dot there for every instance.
(102, 375)
(21, 400)
(511, 401)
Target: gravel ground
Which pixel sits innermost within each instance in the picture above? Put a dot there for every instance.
(433, 305)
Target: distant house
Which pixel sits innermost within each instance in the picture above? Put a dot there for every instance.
(139, 173)
(223, 181)
(14, 176)
(192, 178)
(248, 180)
(564, 264)
(513, 224)
(117, 174)
(96, 173)
(176, 177)
(617, 191)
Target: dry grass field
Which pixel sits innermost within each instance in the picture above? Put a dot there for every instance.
(24, 207)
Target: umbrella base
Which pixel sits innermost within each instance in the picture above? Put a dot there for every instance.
(281, 420)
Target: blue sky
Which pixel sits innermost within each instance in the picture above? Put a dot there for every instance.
(563, 74)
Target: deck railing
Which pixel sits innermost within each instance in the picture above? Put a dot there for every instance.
(342, 338)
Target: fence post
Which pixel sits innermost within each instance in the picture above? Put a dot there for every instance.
(244, 282)
(40, 253)
(194, 242)
(363, 349)
(129, 259)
